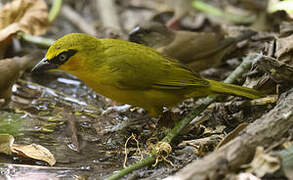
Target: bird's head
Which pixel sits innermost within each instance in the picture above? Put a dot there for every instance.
(151, 34)
(67, 53)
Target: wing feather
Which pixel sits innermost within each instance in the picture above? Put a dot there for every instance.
(145, 68)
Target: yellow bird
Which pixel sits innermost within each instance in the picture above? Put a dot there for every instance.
(131, 73)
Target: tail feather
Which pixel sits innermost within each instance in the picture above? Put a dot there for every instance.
(225, 88)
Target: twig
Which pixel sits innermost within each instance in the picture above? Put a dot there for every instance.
(235, 105)
(78, 20)
(108, 14)
(180, 125)
(188, 118)
(54, 12)
(246, 103)
(270, 128)
(208, 9)
(145, 162)
(243, 67)
(233, 134)
(73, 131)
(38, 40)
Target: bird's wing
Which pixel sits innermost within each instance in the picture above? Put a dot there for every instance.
(178, 76)
(147, 69)
(196, 46)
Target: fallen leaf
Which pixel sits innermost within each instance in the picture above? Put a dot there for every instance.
(263, 163)
(30, 16)
(34, 151)
(203, 145)
(278, 71)
(284, 48)
(6, 141)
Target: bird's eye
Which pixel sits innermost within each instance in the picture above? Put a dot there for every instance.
(62, 57)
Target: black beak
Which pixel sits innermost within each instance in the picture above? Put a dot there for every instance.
(136, 29)
(44, 65)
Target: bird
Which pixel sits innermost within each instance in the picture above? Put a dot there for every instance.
(132, 73)
(198, 50)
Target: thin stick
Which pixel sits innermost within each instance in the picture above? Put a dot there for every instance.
(78, 21)
(208, 9)
(145, 162)
(73, 131)
(54, 12)
(38, 40)
(108, 14)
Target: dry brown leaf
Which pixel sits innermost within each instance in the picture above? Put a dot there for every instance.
(30, 16)
(233, 134)
(203, 145)
(278, 71)
(34, 151)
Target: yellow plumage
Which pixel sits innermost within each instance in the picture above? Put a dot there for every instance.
(132, 73)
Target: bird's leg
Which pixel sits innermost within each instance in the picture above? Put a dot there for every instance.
(167, 119)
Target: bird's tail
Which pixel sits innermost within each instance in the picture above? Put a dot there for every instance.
(224, 88)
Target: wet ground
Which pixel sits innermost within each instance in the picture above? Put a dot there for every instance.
(75, 124)
(51, 116)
